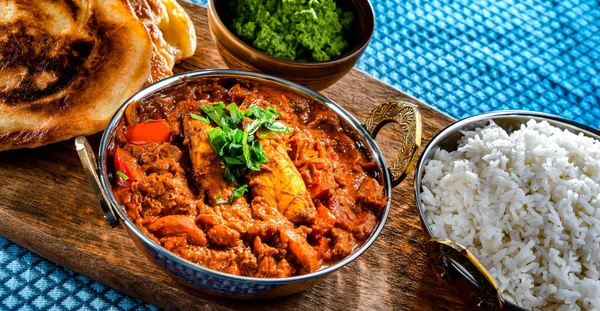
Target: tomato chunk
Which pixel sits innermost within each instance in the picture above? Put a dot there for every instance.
(126, 164)
(149, 131)
(323, 222)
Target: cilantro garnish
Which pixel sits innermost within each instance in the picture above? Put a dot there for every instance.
(123, 175)
(238, 149)
(236, 193)
(200, 118)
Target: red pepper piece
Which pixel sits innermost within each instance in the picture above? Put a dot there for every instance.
(149, 131)
(323, 222)
(126, 163)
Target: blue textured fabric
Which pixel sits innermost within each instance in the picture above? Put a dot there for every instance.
(463, 57)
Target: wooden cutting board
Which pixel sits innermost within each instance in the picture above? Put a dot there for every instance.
(47, 206)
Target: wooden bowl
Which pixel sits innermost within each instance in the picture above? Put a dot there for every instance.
(315, 75)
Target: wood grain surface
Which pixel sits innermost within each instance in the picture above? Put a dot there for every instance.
(47, 206)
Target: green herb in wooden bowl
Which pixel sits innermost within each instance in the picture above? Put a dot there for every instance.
(305, 30)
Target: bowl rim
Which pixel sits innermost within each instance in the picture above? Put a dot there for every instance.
(357, 50)
(484, 117)
(108, 134)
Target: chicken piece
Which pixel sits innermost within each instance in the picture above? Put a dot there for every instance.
(323, 248)
(319, 177)
(325, 120)
(158, 157)
(178, 225)
(370, 195)
(265, 258)
(314, 162)
(208, 171)
(279, 183)
(247, 262)
(216, 259)
(267, 229)
(305, 254)
(323, 222)
(283, 269)
(223, 235)
(364, 225)
(344, 243)
(238, 260)
(238, 93)
(159, 195)
(266, 266)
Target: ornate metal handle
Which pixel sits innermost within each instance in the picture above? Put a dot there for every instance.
(408, 117)
(448, 258)
(90, 167)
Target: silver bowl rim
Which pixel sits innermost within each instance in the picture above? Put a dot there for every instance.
(377, 155)
(440, 136)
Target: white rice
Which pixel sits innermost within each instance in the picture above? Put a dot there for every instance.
(527, 205)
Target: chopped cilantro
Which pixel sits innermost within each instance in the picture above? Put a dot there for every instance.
(200, 118)
(123, 175)
(239, 150)
(294, 30)
(236, 193)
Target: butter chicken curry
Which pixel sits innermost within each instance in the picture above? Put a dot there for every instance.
(245, 179)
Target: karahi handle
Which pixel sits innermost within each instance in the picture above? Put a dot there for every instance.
(90, 167)
(406, 115)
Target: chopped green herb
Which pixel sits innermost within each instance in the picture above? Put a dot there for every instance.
(295, 30)
(217, 114)
(236, 115)
(238, 149)
(199, 118)
(123, 176)
(236, 193)
(278, 127)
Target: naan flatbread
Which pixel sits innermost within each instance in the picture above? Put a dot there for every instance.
(66, 66)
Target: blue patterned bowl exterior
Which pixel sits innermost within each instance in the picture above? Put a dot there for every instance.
(218, 284)
(211, 281)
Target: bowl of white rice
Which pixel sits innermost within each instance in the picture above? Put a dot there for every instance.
(521, 192)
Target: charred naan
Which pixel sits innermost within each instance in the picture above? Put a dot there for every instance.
(66, 66)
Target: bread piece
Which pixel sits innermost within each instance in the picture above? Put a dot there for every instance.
(66, 66)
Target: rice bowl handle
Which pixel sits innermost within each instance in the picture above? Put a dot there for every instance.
(448, 257)
(408, 117)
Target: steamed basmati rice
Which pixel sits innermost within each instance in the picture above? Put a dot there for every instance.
(527, 205)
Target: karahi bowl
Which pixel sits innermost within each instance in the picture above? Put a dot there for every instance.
(228, 285)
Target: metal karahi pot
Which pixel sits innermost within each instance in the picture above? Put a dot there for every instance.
(228, 285)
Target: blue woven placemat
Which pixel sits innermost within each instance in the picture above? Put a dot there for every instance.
(463, 57)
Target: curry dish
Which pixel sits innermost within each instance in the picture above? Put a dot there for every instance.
(314, 200)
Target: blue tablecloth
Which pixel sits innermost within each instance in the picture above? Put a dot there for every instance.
(463, 57)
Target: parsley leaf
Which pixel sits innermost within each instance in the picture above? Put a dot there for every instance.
(218, 140)
(236, 193)
(278, 127)
(237, 115)
(123, 175)
(199, 118)
(239, 150)
(217, 114)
